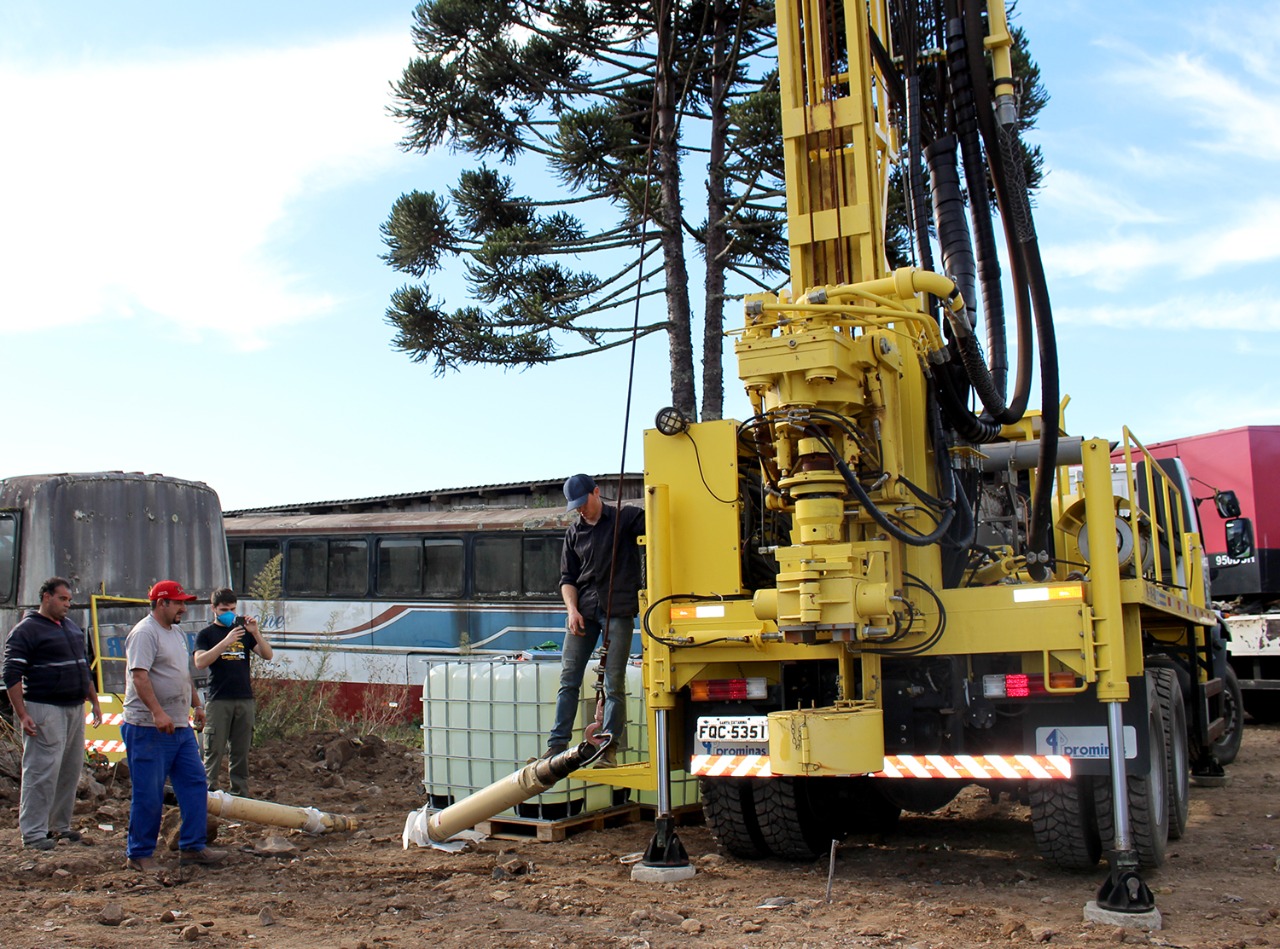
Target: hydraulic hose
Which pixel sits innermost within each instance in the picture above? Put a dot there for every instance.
(985, 252)
(1015, 212)
(957, 256)
(953, 226)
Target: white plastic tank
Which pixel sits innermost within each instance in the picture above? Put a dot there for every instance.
(484, 718)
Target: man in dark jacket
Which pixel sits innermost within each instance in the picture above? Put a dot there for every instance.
(600, 584)
(48, 682)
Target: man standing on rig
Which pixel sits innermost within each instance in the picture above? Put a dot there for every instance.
(600, 585)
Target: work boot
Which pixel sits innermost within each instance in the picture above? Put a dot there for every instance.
(207, 857)
(609, 758)
(143, 864)
(72, 835)
(44, 843)
(551, 752)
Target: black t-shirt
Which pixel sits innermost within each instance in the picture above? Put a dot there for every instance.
(229, 674)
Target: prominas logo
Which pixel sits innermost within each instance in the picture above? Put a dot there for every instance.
(1083, 741)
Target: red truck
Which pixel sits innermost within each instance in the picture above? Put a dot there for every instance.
(1241, 465)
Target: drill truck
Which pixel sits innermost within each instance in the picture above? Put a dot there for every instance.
(894, 579)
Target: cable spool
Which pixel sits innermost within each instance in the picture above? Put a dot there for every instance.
(1073, 522)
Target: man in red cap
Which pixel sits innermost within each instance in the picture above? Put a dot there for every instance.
(159, 742)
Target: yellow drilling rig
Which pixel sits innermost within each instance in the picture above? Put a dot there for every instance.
(894, 580)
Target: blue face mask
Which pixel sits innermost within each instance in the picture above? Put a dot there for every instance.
(228, 618)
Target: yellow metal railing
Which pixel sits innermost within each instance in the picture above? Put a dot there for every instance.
(101, 682)
(1166, 526)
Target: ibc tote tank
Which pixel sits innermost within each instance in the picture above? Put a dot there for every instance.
(484, 718)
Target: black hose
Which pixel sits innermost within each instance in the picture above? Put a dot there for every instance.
(953, 227)
(985, 252)
(1015, 211)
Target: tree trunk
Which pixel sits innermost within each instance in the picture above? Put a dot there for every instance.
(670, 214)
(717, 223)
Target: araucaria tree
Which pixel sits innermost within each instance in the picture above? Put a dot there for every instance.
(609, 98)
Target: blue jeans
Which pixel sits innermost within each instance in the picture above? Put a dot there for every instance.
(573, 664)
(154, 756)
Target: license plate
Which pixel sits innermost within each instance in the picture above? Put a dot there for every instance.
(738, 729)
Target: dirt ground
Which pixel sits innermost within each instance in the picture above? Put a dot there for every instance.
(967, 876)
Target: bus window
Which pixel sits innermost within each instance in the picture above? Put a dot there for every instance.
(542, 565)
(305, 564)
(444, 567)
(248, 559)
(348, 568)
(257, 553)
(497, 566)
(399, 568)
(8, 555)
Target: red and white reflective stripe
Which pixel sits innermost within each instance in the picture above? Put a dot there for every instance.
(105, 747)
(966, 767)
(979, 768)
(116, 719)
(731, 766)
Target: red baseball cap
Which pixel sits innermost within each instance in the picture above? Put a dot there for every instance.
(169, 590)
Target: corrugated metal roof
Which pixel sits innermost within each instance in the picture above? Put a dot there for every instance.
(470, 519)
(384, 501)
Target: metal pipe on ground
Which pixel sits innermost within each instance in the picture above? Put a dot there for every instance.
(308, 819)
(534, 778)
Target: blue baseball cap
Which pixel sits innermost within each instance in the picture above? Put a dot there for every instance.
(577, 489)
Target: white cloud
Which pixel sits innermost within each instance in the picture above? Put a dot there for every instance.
(1180, 250)
(1230, 311)
(1241, 113)
(158, 187)
(1072, 193)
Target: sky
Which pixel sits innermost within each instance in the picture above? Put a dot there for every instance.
(190, 280)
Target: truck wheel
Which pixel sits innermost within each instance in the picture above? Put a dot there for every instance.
(792, 828)
(729, 810)
(1176, 750)
(1065, 822)
(1227, 745)
(1148, 800)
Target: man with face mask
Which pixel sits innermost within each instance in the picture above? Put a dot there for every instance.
(223, 648)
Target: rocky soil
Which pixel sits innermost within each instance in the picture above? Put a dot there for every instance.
(966, 876)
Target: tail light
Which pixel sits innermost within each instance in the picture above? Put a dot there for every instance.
(1020, 685)
(727, 690)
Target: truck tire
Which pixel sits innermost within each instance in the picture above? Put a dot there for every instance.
(1227, 746)
(729, 810)
(792, 828)
(1148, 794)
(1177, 752)
(1065, 822)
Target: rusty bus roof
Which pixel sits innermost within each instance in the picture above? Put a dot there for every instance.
(532, 494)
(408, 522)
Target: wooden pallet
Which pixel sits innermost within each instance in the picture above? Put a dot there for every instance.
(550, 831)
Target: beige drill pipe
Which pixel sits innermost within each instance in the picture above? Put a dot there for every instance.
(277, 815)
(533, 778)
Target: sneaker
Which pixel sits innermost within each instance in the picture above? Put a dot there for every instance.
(72, 835)
(143, 864)
(208, 856)
(45, 843)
